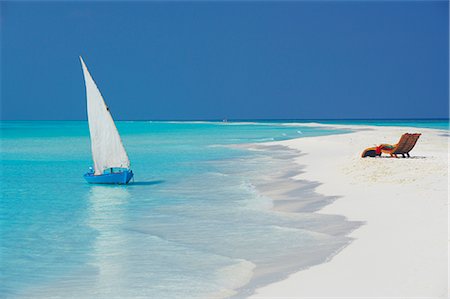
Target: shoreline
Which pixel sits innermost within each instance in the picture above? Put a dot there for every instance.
(276, 184)
(400, 250)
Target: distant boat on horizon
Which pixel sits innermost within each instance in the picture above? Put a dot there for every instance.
(111, 163)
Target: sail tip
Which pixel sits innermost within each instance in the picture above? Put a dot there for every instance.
(83, 64)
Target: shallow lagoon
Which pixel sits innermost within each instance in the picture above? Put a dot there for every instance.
(193, 225)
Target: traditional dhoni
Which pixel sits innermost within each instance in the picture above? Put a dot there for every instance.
(111, 163)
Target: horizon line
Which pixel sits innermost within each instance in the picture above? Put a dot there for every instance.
(250, 119)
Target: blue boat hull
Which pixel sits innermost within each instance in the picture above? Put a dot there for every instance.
(122, 177)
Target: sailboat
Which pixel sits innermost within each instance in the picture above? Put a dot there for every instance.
(111, 163)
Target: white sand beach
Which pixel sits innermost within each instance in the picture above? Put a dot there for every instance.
(401, 250)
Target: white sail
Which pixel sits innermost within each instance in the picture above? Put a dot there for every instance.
(106, 145)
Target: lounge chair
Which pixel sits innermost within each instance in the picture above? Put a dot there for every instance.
(403, 147)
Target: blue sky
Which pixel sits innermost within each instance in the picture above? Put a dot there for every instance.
(240, 60)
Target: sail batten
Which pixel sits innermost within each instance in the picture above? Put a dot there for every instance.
(106, 145)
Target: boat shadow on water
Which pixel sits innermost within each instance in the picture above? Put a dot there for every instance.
(146, 183)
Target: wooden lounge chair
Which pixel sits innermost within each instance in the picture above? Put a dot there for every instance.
(403, 147)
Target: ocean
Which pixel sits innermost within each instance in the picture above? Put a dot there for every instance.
(196, 222)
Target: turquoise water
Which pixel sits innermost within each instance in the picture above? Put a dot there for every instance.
(193, 225)
(426, 123)
(441, 124)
